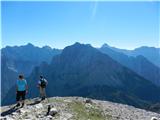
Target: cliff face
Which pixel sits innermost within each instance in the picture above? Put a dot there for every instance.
(75, 108)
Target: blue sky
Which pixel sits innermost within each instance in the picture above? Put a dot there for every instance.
(58, 24)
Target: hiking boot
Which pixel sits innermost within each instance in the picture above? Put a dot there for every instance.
(43, 98)
(22, 105)
(18, 104)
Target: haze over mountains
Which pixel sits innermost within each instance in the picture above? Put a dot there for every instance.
(151, 53)
(81, 70)
(138, 63)
(25, 58)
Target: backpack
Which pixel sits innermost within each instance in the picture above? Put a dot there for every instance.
(43, 83)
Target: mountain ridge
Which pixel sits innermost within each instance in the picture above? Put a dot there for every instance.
(151, 53)
(97, 75)
(85, 70)
(138, 64)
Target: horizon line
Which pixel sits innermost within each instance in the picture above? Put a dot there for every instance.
(45, 45)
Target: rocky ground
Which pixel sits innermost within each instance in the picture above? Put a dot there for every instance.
(75, 108)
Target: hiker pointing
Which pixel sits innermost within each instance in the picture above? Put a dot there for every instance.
(42, 83)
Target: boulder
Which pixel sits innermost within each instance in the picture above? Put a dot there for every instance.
(39, 106)
(88, 101)
(49, 116)
(154, 118)
(53, 111)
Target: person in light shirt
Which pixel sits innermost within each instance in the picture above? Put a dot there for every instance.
(21, 90)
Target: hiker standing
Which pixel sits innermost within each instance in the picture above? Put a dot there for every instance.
(21, 90)
(42, 83)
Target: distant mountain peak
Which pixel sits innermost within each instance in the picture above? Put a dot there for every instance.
(47, 47)
(80, 44)
(105, 45)
(30, 44)
(77, 45)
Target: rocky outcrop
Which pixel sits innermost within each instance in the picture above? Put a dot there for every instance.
(75, 108)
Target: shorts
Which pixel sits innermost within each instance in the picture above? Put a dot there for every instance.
(20, 94)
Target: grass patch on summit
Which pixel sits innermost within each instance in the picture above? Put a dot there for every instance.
(81, 112)
(57, 100)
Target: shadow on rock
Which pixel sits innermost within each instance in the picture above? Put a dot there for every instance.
(10, 111)
(35, 102)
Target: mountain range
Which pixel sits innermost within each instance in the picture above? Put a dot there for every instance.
(81, 70)
(24, 58)
(151, 53)
(139, 64)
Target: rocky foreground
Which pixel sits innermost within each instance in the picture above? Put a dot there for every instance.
(75, 108)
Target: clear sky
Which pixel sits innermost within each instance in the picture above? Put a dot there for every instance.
(58, 24)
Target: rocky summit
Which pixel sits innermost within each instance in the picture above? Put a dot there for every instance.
(74, 108)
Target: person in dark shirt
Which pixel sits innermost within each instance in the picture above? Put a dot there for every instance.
(42, 83)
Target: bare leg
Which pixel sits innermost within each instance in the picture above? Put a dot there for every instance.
(22, 103)
(41, 92)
